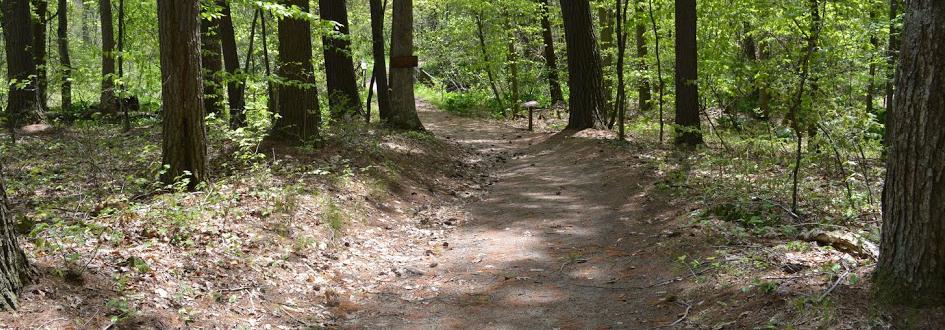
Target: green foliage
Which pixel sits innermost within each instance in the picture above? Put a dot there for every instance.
(763, 286)
(335, 218)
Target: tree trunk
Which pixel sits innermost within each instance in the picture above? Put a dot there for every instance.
(749, 58)
(585, 80)
(87, 17)
(231, 63)
(488, 62)
(513, 73)
(764, 95)
(804, 68)
(605, 17)
(403, 69)
(107, 102)
(343, 97)
(184, 134)
(688, 130)
(18, 39)
(271, 91)
(380, 58)
(910, 268)
(643, 86)
(661, 84)
(871, 85)
(15, 271)
(892, 54)
(41, 12)
(298, 99)
(126, 119)
(212, 59)
(551, 60)
(620, 107)
(63, 42)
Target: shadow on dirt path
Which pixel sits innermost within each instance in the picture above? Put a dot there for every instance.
(571, 235)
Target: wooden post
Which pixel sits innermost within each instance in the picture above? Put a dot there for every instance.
(531, 105)
(530, 117)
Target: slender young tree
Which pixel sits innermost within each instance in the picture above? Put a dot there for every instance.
(487, 61)
(380, 58)
(621, 100)
(184, 134)
(343, 96)
(892, 51)
(15, 271)
(298, 98)
(551, 60)
(271, 91)
(660, 82)
(18, 39)
(40, 18)
(62, 38)
(212, 58)
(585, 79)
(231, 63)
(513, 59)
(403, 69)
(643, 85)
(107, 101)
(910, 268)
(871, 84)
(605, 17)
(688, 130)
(126, 118)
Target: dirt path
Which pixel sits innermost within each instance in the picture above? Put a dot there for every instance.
(569, 236)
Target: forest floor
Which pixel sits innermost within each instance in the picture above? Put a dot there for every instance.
(479, 225)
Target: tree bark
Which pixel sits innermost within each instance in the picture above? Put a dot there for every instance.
(402, 75)
(585, 80)
(551, 59)
(298, 97)
(184, 134)
(15, 271)
(910, 268)
(64, 59)
(41, 12)
(643, 85)
(107, 102)
(231, 63)
(688, 130)
(18, 39)
(212, 59)
(343, 96)
(380, 58)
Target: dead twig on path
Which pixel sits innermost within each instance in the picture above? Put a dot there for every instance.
(684, 316)
(834, 286)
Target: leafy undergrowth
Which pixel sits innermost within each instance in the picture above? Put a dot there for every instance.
(272, 241)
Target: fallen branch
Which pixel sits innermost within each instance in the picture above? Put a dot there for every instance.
(844, 241)
(684, 316)
(834, 286)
